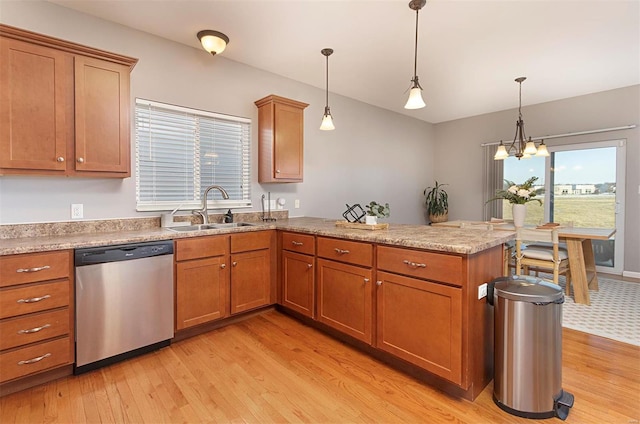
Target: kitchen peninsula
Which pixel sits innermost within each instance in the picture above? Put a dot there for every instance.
(407, 295)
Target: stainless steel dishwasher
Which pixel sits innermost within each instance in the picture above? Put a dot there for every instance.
(124, 302)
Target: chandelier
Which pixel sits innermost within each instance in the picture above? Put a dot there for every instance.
(521, 147)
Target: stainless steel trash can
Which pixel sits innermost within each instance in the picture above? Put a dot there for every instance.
(528, 347)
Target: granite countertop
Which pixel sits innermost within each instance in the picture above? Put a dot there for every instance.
(453, 240)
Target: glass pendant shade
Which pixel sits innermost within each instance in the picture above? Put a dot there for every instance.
(542, 150)
(501, 153)
(327, 122)
(213, 41)
(415, 99)
(530, 148)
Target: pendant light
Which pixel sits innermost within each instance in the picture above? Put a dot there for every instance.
(415, 94)
(213, 41)
(327, 120)
(521, 147)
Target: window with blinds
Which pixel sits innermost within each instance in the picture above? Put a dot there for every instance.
(181, 151)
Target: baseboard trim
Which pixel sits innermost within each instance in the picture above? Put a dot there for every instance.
(631, 274)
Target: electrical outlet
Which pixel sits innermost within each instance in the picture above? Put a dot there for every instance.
(482, 291)
(272, 204)
(77, 211)
(296, 203)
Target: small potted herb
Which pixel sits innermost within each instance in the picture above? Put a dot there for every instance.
(375, 211)
(437, 201)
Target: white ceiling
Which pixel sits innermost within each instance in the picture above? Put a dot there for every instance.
(469, 54)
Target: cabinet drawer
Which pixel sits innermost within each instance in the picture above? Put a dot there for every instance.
(201, 247)
(31, 359)
(301, 243)
(32, 267)
(427, 265)
(352, 252)
(254, 240)
(33, 328)
(34, 298)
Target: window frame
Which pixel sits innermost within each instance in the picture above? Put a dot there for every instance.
(214, 201)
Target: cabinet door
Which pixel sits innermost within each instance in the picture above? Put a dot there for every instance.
(421, 322)
(288, 145)
(36, 107)
(298, 283)
(345, 298)
(250, 280)
(201, 291)
(102, 116)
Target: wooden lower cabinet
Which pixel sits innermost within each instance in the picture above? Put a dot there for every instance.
(345, 298)
(421, 322)
(202, 287)
(298, 283)
(250, 280)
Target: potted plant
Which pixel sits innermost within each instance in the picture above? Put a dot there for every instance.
(375, 211)
(437, 201)
(518, 195)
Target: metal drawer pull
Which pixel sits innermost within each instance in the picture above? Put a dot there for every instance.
(234, 263)
(296, 243)
(40, 268)
(379, 283)
(34, 330)
(34, 360)
(366, 280)
(341, 251)
(223, 266)
(34, 299)
(414, 265)
(309, 265)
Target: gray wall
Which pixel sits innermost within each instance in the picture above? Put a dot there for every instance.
(373, 154)
(459, 155)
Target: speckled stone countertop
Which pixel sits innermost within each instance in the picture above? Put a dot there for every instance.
(454, 240)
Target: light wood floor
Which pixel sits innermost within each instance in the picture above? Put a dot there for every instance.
(271, 368)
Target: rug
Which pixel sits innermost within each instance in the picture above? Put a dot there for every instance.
(614, 312)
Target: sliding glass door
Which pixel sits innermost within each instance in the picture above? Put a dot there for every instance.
(584, 187)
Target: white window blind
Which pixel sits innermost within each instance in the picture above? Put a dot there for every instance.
(182, 151)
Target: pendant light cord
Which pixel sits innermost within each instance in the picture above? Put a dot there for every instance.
(415, 51)
(327, 92)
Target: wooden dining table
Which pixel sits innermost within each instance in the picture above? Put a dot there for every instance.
(579, 250)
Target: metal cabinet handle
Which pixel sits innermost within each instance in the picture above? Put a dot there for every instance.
(34, 299)
(34, 360)
(34, 330)
(234, 263)
(414, 265)
(36, 269)
(277, 171)
(296, 243)
(378, 283)
(60, 159)
(366, 280)
(80, 160)
(341, 251)
(223, 266)
(309, 265)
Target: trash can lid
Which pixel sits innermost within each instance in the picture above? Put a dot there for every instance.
(527, 289)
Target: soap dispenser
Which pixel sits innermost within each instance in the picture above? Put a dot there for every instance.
(228, 217)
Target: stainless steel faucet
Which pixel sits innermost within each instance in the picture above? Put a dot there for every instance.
(203, 212)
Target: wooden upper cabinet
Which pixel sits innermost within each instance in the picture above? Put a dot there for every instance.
(102, 116)
(64, 107)
(35, 85)
(281, 139)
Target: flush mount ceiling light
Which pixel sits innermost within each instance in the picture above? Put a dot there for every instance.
(415, 94)
(213, 41)
(327, 120)
(520, 147)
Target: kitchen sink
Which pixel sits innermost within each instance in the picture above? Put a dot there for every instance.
(200, 227)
